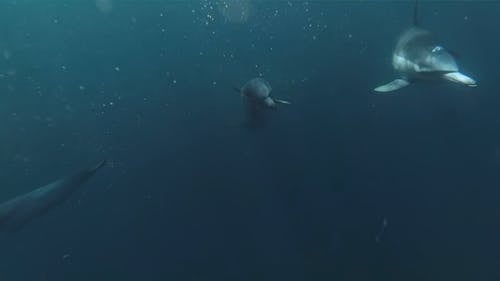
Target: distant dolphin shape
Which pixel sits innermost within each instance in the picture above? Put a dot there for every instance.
(258, 93)
(257, 97)
(418, 57)
(15, 213)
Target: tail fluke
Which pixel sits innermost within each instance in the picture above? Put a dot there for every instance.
(98, 166)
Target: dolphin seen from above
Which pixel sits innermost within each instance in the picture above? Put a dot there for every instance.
(20, 210)
(418, 57)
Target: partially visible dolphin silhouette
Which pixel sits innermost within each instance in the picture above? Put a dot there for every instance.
(256, 95)
(417, 57)
(20, 210)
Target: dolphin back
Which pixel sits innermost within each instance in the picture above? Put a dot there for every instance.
(20, 210)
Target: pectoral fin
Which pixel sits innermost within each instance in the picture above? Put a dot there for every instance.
(237, 90)
(282, 101)
(392, 86)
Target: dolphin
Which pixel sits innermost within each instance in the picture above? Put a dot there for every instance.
(15, 213)
(418, 57)
(256, 95)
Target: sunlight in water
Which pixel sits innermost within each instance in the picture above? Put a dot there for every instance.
(235, 11)
(104, 6)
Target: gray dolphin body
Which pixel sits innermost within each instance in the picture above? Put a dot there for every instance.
(258, 93)
(20, 210)
(417, 57)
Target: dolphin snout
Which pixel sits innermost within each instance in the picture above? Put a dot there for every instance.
(460, 78)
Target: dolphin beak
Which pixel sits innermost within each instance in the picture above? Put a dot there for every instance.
(460, 78)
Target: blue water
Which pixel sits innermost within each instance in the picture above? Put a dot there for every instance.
(190, 194)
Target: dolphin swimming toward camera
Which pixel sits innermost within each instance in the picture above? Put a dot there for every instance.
(258, 93)
(20, 210)
(418, 57)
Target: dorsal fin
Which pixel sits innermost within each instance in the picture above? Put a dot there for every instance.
(415, 13)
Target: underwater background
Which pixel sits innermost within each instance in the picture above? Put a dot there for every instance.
(343, 184)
